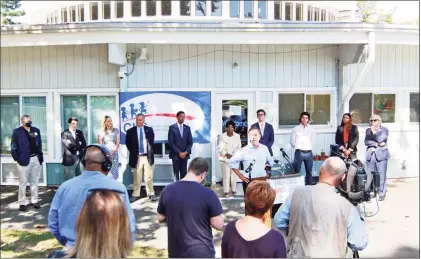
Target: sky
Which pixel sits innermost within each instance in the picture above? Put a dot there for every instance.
(406, 10)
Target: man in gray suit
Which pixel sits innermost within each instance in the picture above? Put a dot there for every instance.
(377, 153)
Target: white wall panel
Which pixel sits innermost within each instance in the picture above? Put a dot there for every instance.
(394, 66)
(71, 66)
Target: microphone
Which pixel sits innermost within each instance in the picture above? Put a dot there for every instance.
(249, 168)
(283, 152)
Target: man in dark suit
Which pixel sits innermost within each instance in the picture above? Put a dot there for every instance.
(266, 130)
(377, 153)
(139, 142)
(180, 141)
(74, 145)
(26, 149)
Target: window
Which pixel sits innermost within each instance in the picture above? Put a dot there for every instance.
(248, 8)
(310, 13)
(56, 17)
(317, 14)
(292, 105)
(81, 13)
(9, 121)
(262, 9)
(362, 106)
(235, 8)
(72, 11)
(277, 6)
(323, 15)
(288, 11)
(106, 10)
(216, 7)
(151, 8)
(185, 7)
(34, 106)
(166, 7)
(299, 12)
(119, 9)
(99, 107)
(200, 7)
(136, 8)
(48, 19)
(94, 11)
(414, 107)
(64, 14)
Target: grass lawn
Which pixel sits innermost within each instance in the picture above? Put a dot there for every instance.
(38, 243)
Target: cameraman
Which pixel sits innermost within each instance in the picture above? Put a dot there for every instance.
(319, 222)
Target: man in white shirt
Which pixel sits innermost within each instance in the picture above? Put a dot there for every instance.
(302, 137)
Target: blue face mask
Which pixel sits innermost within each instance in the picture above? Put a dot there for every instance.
(28, 124)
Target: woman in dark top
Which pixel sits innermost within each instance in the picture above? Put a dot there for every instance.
(347, 136)
(249, 237)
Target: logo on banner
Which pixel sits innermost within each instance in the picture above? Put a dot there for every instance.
(160, 110)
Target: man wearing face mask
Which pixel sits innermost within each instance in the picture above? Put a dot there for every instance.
(377, 153)
(26, 149)
(74, 147)
(190, 210)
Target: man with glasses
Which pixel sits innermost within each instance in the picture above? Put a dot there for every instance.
(74, 145)
(26, 149)
(266, 130)
(377, 152)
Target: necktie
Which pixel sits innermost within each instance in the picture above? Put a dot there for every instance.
(181, 131)
(262, 129)
(141, 149)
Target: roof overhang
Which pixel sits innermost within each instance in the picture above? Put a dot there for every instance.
(206, 33)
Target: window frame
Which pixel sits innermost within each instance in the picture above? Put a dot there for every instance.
(398, 116)
(310, 91)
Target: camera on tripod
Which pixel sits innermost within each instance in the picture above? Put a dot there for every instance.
(359, 185)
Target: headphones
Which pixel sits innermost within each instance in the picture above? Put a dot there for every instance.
(107, 163)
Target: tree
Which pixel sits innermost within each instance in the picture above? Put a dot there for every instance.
(9, 10)
(370, 13)
(201, 6)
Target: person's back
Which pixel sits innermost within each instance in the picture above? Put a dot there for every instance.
(318, 222)
(188, 209)
(71, 196)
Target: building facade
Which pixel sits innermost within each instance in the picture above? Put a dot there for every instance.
(327, 67)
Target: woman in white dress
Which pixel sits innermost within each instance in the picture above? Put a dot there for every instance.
(110, 137)
(229, 142)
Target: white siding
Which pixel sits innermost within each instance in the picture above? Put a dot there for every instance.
(394, 66)
(72, 66)
(259, 66)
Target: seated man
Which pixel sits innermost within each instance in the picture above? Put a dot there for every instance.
(319, 222)
(72, 194)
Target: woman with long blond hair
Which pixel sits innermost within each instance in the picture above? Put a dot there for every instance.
(102, 228)
(110, 137)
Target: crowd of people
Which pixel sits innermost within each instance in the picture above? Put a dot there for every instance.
(314, 221)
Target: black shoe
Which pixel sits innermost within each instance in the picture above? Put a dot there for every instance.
(134, 198)
(36, 205)
(22, 208)
(382, 198)
(152, 198)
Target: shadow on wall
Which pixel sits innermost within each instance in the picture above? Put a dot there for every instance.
(406, 252)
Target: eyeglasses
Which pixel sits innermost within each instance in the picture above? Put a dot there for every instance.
(261, 114)
(373, 120)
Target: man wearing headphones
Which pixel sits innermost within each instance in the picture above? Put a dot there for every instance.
(72, 194)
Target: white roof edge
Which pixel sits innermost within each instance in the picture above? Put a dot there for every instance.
(191, 26)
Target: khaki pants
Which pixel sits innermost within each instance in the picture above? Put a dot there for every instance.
(30, 173)
(229, 179)
(143, 165)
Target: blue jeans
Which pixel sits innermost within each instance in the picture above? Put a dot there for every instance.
(307, 158)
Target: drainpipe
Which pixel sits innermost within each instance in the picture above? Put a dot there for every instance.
(368, 65)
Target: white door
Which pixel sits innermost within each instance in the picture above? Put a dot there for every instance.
(238, 107)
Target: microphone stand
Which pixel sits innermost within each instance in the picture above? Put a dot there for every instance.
(285, 156)
(248, 170)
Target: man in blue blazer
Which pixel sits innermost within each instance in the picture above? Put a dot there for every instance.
(26, 149)
(266, 130)
(139, 142)
(180, 141)
(377, 153)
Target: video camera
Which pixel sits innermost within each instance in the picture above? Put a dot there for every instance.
(358, 186)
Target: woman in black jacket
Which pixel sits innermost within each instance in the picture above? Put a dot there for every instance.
(347, 136)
